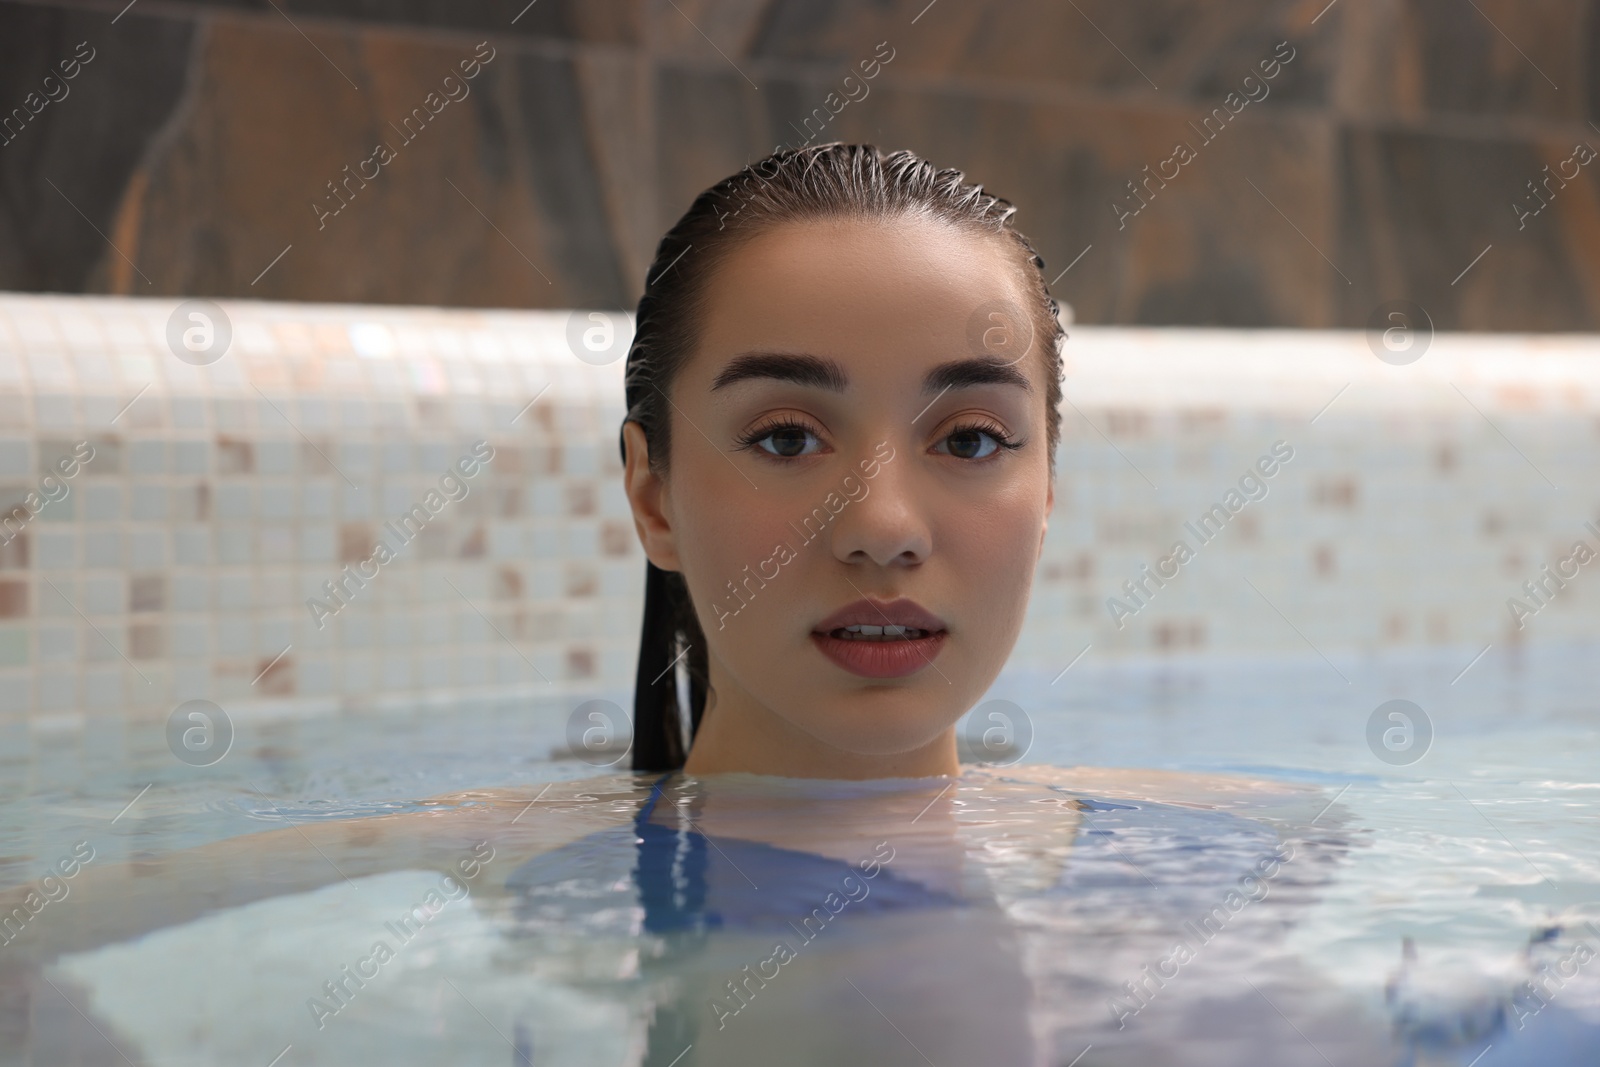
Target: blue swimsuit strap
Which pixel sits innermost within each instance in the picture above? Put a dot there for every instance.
(687, 881)
(650, 804)
(670, 872)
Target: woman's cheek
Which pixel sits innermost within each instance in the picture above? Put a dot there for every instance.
(994, 554)
(739, 563)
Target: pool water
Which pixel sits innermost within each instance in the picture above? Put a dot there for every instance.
(1357, 911)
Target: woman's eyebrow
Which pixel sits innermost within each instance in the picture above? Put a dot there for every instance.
(819, 373)
(979, 370)
(814, 371)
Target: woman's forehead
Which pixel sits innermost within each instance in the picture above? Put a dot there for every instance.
(901, 294)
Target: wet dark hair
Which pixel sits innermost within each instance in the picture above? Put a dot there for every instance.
(826, 181)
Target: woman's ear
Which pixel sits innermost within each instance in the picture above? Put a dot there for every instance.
(648, 497)
(1044, 527)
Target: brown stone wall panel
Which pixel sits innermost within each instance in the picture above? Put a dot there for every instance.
(584, 21)
(708, 125)
(1503, 57)
(86, 143)
(1379, 72)
(273, 122)
(1417, 209)
(1589, 62)
(1215, 67)
(592, 21)
(1184, 50)
(564, 176)
(1208, 248)
(615, 96)
(1507, 58)
(710, 30)
(1243, 236)
(1575, 219)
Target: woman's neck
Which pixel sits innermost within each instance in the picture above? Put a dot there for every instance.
(741, 735)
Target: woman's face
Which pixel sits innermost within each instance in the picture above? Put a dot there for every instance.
(839, 435)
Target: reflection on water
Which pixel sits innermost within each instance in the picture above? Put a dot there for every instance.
(1021, 915)
(739, 919)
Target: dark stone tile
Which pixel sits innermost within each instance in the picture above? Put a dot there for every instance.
(564, 178)
(1168, 49)
(86, 142)
(708, 126)
(577, 159)
(1417, 58)
(828, 31)
(1416, 209)
(1503, 57)
(598, 21)
(1202, 247)
(715, 31)
(489, 202)
(1303, 64)
(615, 89)
(1589, 62)
(1207, 249)
(611, 21)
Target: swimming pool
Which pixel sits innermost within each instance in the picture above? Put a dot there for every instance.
(1011, 923)
(1005, 920)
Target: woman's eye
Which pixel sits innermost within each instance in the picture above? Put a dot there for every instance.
(786, 441)
(971, 444)
(792, 441)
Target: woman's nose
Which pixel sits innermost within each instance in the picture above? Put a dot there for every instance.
(885, 522)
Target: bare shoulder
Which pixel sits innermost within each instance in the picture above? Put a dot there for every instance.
(543, 811)
(601, 793)
(1165, 787)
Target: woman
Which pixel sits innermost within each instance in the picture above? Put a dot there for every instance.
(843, 400)
(843, 410)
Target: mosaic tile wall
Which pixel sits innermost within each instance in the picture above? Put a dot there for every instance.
(220, 498)
(182, 515)
(1418, 499)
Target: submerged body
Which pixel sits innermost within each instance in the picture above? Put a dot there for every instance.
(1014, 917)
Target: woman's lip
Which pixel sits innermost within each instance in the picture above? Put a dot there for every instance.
(895, 658)
(901, 611)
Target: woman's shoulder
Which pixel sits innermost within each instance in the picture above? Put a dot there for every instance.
(578, 804)
(1183, 788)
(604, 790)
